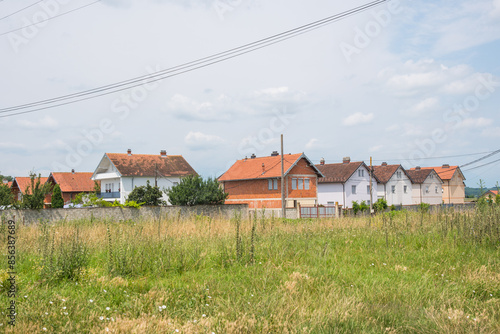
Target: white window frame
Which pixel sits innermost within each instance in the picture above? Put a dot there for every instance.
(300, 184)
(393, 189)
(307, 185)
(294, 184)
(353, 189)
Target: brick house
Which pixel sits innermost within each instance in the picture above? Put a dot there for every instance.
(21, 184)
(71, 184)
(257, 181)
(120, 173)
(453, 183)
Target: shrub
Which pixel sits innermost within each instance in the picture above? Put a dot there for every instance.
(380, 205)
(35, 193)
(6, 196)
(147, 195)
(57, 200)
(193, 190)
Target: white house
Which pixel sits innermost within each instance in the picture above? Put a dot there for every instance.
(394, 184)
(121, 173)
(427, 186)
(345, 183)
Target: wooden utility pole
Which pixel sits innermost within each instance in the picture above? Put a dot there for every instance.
(371, 186)
(283, 204)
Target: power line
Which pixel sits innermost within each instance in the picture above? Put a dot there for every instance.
(481, 159)
(51, 18)
(486, 164)
(184, 68)
(20, 10)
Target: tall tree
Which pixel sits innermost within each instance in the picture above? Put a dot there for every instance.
(35, 193)
(6, 196)
(57, 199)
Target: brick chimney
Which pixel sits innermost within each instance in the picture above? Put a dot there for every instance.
(72, 171)
(346, 160)
(275, 154)
(163, 153)
(418, 168)
(384, 163)
(263, 168)
(322, 162)
(253, 156)
(129, 151)
(446, 166)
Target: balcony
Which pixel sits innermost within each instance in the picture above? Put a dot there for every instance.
(109, 195)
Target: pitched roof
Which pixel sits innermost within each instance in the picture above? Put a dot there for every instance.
(418, 176)
(384, 173)
(445, 172)
(248, 169)
(23, 182)
(150, 165)
(493, 192)
(338, 173)
(73, 182)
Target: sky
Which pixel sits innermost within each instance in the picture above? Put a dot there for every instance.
(415, 83)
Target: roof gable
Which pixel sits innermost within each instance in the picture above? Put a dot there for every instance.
(264, 167)
(446, 173)
(418, 176)
(341, 172)
(150, 165)
(384, 173)
(23, 182)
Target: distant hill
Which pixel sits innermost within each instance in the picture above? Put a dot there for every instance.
(475, 192)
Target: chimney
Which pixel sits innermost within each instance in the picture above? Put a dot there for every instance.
(322, 162)
(346, 160)
(163, 153)
(384, 163)
(253, 156)
(275, 154)
(418, 168)
(446, 166)
(129, 151)
(72, 171)
(263, 168)
(246, 158)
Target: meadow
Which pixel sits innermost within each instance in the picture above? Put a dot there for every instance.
(397, 272)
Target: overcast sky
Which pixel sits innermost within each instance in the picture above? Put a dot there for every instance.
(406, 82)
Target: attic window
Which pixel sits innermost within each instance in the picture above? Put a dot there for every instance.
(361, 173)
(399, 175)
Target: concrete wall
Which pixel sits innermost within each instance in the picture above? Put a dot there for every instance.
(52, 215)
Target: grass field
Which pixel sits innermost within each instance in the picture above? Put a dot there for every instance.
(395, 273)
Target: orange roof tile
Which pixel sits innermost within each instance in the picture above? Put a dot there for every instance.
(151, 165)
(445, 172)
(23, 182)
(263, 168)
(73, 182)
(340, 172)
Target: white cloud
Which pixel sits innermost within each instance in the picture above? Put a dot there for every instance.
(495, 13)
(46, 123)
(426, 105)
(357, 119)
(312, 143)
(201, 141)
(469, 123)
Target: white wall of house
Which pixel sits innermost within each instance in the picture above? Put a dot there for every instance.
(429, 192)
(329, 193)
(398, 190)
(127, 184)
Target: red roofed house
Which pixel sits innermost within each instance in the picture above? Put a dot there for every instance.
(491, 194)
(345, 183)
(119, 173)
(427, 186)
(453, 183)
(394, 184)
(257, 181)
(72, 184)
(21, 184)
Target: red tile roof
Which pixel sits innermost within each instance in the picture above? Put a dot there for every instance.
(263, 168)
(73, 182)
(150, 165)
(23, 182)
(445, 172)
(384, 173)
(339, 173)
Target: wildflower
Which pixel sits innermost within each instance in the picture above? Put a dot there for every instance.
(101, 318)
(64, 307)
(206, 305)
(91, 300)
(163, 307)
(65, 313)
(177, 331)
(160, 309)
(25, 296)
(209, 297)
(203, 315)
(384, 264)
(46, 313)
(107, 329)
(107, 309)
(51, 302)
(45, 329)
(104, 290)
(63, 300)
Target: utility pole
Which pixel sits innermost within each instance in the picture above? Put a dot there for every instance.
(371, 186)
(283, 208)
(156, 174)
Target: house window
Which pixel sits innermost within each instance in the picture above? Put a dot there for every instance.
(399, 175)
(427, 189)
(306, 184)
(431, 176)
(405, 189)
(294, 184)
(273, 184)
(361, 173)
(301, 183)
(270, 184)
(368, 190)
(393, 189)
(437, 190)
(354, 189)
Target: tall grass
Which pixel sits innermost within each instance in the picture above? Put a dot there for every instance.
(397, 272)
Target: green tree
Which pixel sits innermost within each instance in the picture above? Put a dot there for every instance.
(97, 187)
(146, 195)
(6, 196)
(57, 199)
(35, 193)
(5, 177)
(193, 190)
(380, 205)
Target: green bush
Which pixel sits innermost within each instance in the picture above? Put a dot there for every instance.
(147, 195)
(193, 190)
(57, 200)
(380, 205)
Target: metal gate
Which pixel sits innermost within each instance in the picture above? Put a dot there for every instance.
(317, 211)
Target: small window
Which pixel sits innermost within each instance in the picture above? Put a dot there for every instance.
(301, 183)
(306, 184)
(294, 184)
(427, 189)
(399, 175)
(275, 184)
(368, 190)
(405, 189)
(354, 189)
(432, 176)
(361, 173)
(437, 190)
(393, 189)
(270, 184)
